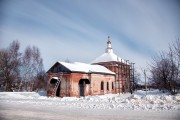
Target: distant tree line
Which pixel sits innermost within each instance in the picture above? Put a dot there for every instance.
(137, 79)
(21, 71)
(165, 69)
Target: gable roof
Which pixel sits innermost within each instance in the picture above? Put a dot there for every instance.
(86, 68)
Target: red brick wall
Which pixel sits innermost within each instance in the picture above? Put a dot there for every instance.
(70, 83)
(123, 75)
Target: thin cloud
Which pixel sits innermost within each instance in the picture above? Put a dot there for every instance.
(78, 30)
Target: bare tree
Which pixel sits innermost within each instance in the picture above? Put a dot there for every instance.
(41, 81)
(32, 65)
(175, 50)
(20, 70)
(137, 78)
(9, 65)
(165, 68)
(161, 71)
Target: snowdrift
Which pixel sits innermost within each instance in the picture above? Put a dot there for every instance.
(155, 100)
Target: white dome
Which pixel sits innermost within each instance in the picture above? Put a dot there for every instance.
(108, 55)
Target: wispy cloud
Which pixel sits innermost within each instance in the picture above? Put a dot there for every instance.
(78, 30)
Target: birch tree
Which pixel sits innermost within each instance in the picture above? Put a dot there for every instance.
(32, 65)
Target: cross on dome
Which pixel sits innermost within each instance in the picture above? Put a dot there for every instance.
(108, 42)
(109, 48)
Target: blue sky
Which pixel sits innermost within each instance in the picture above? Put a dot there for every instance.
(78, 29)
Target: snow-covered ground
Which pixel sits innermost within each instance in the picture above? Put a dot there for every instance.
(31, 105)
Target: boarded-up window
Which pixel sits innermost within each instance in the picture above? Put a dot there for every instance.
(102, 85)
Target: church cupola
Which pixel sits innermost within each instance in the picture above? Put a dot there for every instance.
(109, 48)
(108, 56)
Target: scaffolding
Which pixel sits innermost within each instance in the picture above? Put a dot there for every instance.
(124, 78)
(132, 87)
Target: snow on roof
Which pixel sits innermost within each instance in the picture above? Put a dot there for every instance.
(55, 78)
(87, 68)
(107, 57)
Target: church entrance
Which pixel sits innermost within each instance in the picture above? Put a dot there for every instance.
(84, 87)
(55, 85)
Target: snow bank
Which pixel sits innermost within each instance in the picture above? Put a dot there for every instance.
(155, 100)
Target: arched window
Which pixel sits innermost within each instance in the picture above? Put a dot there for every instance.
(102, 85)
(112, 86)
(107, 85)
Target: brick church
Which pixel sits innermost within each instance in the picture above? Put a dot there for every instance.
(107, 74)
